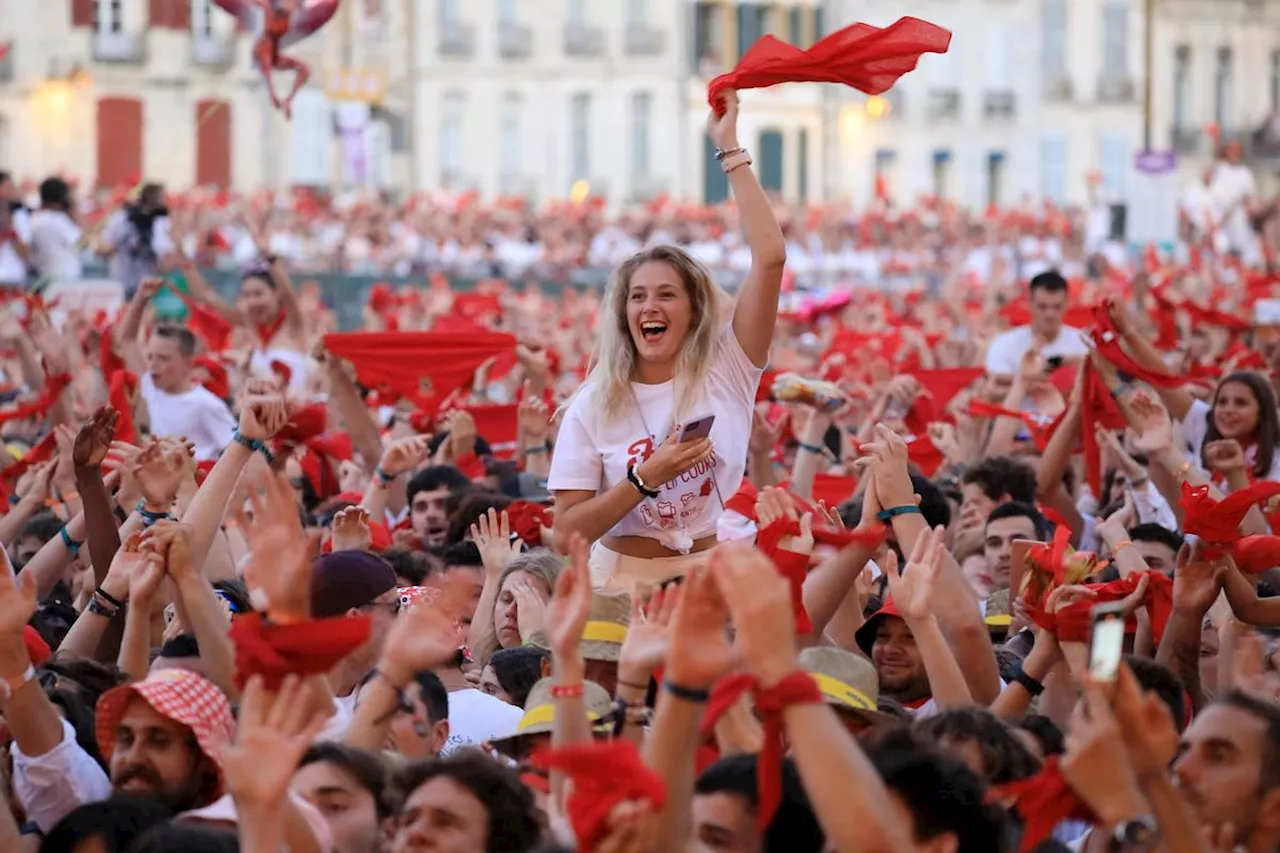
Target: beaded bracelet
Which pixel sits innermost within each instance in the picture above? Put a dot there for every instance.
(255, 444)
(72, 545)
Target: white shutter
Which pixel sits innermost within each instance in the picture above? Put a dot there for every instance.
(1117, 157)
(998, 57)
(312, 129)
(1053, 166)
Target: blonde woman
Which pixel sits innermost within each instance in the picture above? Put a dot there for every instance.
(665, 358)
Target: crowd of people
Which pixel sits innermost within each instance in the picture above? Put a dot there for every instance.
(978, 563)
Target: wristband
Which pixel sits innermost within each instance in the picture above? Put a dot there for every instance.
(14, 500)
(813, 448)
(148, 516)
(108, 597)
(1035, 688)
(254, 444)
(886, 515)
(383, 477)
(530, 451)
(72, 545)
(568, 691)
(688, 694)
(1123, 543)
(633, 476)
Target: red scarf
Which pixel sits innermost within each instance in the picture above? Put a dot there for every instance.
(527, 520)
(207, 324)
(53, 387)
(1072, 625)
(1217, 523)
(268, 331)
(1044, 801)
(603, 775)
(1039, 425)
(305, 428)
(120, 388)
(1107, 339)
(1051, 565)
(869, 59)
(306, 648)
(798, 688)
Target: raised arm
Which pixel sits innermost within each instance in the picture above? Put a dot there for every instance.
(757, 308)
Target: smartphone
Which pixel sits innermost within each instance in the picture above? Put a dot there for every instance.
(696, 428)
(1106, 641)
(1053, 362)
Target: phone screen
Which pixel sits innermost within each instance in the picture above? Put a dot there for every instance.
(1107, 646)
(1053, 362)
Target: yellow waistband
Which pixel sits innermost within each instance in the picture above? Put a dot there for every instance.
(844, 694)
(605, 632)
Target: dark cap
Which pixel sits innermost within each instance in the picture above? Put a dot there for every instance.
(344, 580)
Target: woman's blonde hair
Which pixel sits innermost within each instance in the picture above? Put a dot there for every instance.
(614, 362)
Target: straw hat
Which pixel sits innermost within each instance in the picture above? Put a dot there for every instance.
(847, 681)
(607, 623)
(540, 713)
(998, 614)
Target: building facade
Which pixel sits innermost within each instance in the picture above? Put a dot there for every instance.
(552, 98)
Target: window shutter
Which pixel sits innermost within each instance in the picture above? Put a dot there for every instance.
(213, 143)
(119, 142)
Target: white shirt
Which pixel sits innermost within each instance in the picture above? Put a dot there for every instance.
(13, 270)
(595, 448)
(53, 785)
(1194, 428)
(1005, 354)
(197, 414)
(54, 245)
(475, 718)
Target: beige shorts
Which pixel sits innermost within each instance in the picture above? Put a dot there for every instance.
(612, 572)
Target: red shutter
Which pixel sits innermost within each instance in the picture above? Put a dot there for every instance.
(182, 14)
(119, 142)
(170, 14)
(82, 13)
(213, 144)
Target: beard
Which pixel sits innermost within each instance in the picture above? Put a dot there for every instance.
(143, 781)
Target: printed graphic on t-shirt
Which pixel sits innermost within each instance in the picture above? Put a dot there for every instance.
(674, 511)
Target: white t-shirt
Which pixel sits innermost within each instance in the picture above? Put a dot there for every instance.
(1004, 356)
(298, 364)
(54, 239)
(1194, 427)
(13, 270)
(197, 414)
(595, 448)
(476, 718)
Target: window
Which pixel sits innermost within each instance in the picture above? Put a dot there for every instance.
(885, 167)
(1222, 89)
(1181, 85)
(580, 137)
(451, 143)
(1115, 40)
(312, 136)
(999, 57)
(635, 13)
(108, 16)
(771, 160)
(802, 168)
(942, 173)
(1275, 81)
(751, 25)
(202, 18)
(1053, 40)
(706, 37)
(1116, 157)
(506, 12)
(1053, 167)
(450, 14)
(795, 26)
(575, 13)
(640, 108)
(509, 140)
(819, 22)
(715, 183)
(995, 177)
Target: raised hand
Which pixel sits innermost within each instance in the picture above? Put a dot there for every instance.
(158, 470)
(461, 426)
(262, 416)
(723, 127)
(570, 603)
(1196, 582)
(129, 560)
(943, 436)
(279, 567)
(427, 634)
(700, 652)
(889, 466)
(351, 530)
(170, 541)
(531, 608)
(1096, 763)
(17, 600)
(759, 600)
(912, 588)
(764, 435)
(533, 419)
(1155, 429)
(272, 733)
(648, 638)
(1225, 456)
(405, 454)
(94, 438)
(492, 535)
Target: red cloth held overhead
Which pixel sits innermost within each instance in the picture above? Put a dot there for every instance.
(409, 363)
(207, 324)
(1217, 522)
(1044, 801)
(121, 386)
(603, 775)
(870, 59)
(1097, 409)
(306, 648)
(1107, 340)
(54, 386)
(527, 520)
(1073, 623)
(1254, 554)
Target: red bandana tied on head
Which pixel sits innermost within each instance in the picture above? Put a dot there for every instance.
(1044, 801)
(798, 688)
(305, 648)
(603, 775)
(1217, 523)
(869, 59)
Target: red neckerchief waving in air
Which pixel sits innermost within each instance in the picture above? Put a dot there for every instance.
(869, 59)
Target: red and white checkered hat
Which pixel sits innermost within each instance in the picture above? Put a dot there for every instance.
(182, 696)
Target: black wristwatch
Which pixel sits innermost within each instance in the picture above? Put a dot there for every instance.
(1135, 835)
(633, 476)
(1035, 688)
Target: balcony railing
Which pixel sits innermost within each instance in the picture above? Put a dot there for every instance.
(580, 40)
(119, 46)
(1059, 89)
(457, 40)
(212, 51)
(1185, 140)
(515, 41)
(1116, 90)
